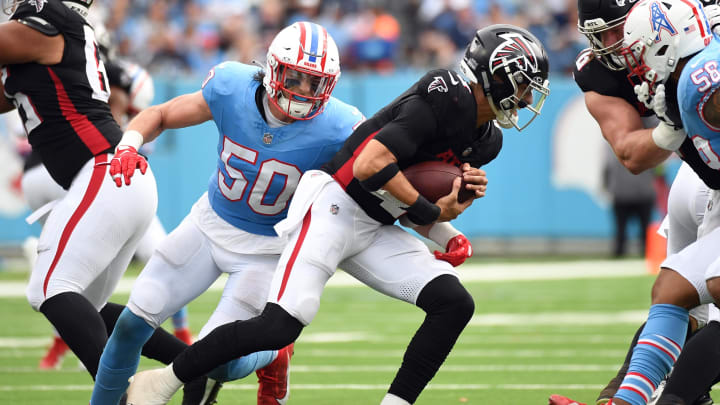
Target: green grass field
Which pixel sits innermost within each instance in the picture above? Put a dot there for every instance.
(530, 337)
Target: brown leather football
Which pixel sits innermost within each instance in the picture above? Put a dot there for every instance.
(434, 180)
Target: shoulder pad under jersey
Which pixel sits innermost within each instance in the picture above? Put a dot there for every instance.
(39, 25)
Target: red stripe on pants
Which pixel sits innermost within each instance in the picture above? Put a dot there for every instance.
(95, 182)
(296, 250)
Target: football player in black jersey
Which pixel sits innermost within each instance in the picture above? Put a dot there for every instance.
(640, 142)
(60, 89)
(343, 215)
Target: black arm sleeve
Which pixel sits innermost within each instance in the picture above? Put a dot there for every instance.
(413, 125)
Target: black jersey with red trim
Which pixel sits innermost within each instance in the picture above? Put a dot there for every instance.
(434, 120)
(591, 75)
(64, 106)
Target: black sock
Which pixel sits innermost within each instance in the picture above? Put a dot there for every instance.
(162, 346)
(698, 365)
(449, 308)
(271, 330)
(79, 325)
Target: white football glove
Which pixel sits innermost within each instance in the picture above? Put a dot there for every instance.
(655, 102)
(666, 135)
(642, 92)
(712, 12)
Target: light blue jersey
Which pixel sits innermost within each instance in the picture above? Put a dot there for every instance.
(259, 167)
(699, 79)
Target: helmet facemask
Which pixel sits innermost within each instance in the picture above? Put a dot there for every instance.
(523, 105)
(299, 93)
(608, 55)
(638, 69)
(9, 6)
(79, 6)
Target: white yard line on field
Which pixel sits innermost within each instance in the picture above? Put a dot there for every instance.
(476, 272)
(485, 368)
(354, 387)
(496, 319)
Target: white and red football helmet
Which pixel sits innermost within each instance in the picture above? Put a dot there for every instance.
(142, 89)
(660, 33)
(302, 55)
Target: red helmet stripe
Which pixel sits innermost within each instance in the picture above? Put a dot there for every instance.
(522, 44)
(324, 36)
(697, 17)
(302, 42)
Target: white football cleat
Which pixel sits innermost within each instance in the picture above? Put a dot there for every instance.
(658, 392)
(153, 387)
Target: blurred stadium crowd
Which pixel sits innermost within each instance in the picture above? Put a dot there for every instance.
(180, 37)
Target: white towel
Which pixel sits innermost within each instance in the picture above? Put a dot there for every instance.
(41, 212)
(311, 183)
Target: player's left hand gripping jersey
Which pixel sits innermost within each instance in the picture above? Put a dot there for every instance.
(259, 167)
(699, 79)
(64, 106)
(435, 119)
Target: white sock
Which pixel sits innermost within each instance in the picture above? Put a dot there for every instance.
(170, 379)
(391, 399)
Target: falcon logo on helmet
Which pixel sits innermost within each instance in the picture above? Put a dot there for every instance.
(516, 50)
(39, 4)
(660, 21)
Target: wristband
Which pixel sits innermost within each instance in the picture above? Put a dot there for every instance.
(423, 212)
(377, 180)
(442, 232)
(668, 138)
(132, 138)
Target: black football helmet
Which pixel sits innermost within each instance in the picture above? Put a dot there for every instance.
(598, 16)
(512, 66)
(80, 6)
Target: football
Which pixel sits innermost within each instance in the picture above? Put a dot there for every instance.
(434, 180)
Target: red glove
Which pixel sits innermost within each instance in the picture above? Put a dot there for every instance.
(125, 162)
(458, 249)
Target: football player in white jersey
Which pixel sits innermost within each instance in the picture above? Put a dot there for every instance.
(273, 124)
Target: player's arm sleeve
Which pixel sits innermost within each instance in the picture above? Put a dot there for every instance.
(212, 91)
(414, 124)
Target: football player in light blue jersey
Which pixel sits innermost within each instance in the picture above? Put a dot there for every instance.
(670, 48)
(273, 125)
